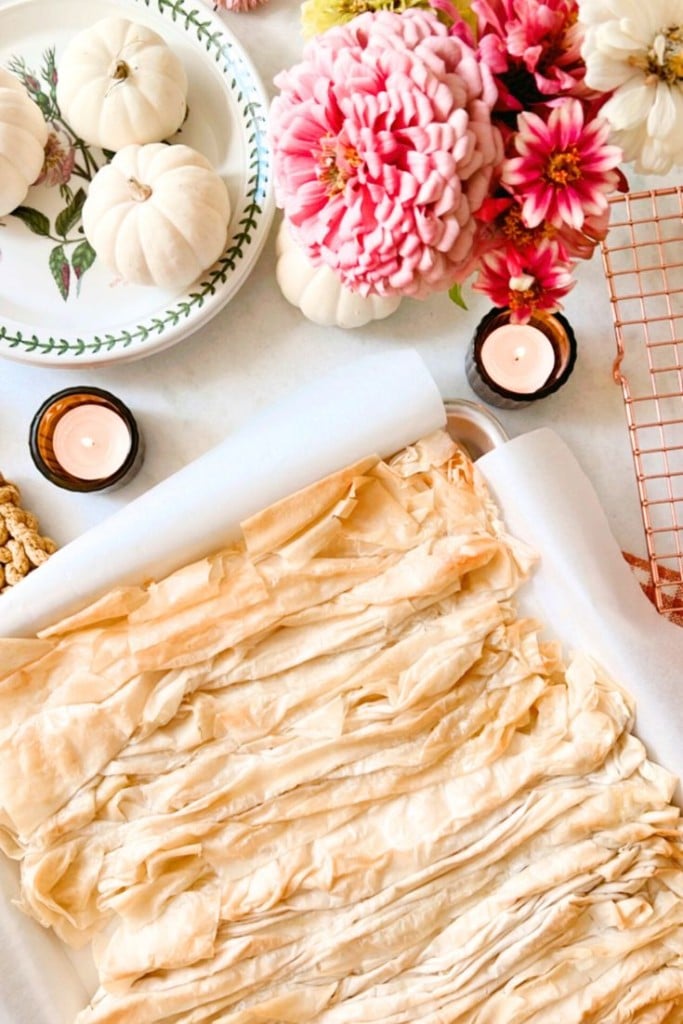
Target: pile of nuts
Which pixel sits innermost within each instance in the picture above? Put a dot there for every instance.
(21, 546)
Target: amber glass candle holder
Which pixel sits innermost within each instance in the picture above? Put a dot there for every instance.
(85, 439)
(512, 365)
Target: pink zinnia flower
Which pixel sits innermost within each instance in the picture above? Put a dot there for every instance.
(525, 281)
(533, 46)
(501, 224)
(383, 149)
(565, 168)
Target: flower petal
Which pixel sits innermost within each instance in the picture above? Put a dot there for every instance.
(630, 104)
(536, 205)
(569, 209)
(661, 120)
(605, 73)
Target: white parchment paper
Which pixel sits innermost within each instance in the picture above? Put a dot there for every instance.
(584, 589)
(377, 404)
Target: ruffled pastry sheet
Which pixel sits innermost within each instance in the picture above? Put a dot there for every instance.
(330, 775)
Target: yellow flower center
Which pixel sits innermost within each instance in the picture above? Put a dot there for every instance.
(337, 162)
(664, 60)
(520, 235)
(53, 152)
(563, 168)
(519, 299)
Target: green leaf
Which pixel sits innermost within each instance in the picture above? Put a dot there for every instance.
(70, 215)
(48, 70)
(36, 221)
(82, 258)
(455, 295)
(60, 270)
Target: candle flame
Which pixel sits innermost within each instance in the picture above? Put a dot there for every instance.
(520, 352)
(87, 442)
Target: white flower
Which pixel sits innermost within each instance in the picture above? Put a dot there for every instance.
(635, 47)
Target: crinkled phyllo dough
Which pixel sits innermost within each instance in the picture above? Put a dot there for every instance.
(330, 775)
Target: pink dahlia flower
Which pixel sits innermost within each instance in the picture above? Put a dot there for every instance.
(384, 149)
(525, 281)
(533, 47)
(565, 167)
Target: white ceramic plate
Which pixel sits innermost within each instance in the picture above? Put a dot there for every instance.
(59, 305)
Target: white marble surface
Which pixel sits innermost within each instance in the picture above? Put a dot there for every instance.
(189, 397)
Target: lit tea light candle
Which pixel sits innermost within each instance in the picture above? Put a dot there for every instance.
(85, 439)
(509, 365)
(91, 442)
(518, 357)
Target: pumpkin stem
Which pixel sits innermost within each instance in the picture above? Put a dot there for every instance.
(139, 191)
(121, 71)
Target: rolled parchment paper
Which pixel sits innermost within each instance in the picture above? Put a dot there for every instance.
(375, 405)
(584, 591)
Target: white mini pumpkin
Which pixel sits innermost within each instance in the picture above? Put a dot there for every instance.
(157, 215)
(119, 83)
(23, 135)
(318, 292)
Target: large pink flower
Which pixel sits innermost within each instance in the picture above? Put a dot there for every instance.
(525, 280)
(565, 167)
(383, 149)
(533, 47)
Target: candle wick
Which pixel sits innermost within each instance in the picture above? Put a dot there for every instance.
(519, 353)
(87, 442)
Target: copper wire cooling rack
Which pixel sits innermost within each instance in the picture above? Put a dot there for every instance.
(643, 260)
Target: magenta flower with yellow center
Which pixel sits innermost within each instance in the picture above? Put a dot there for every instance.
(525, 281)
(564, 168)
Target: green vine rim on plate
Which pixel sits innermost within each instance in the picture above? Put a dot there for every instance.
(246, 94)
